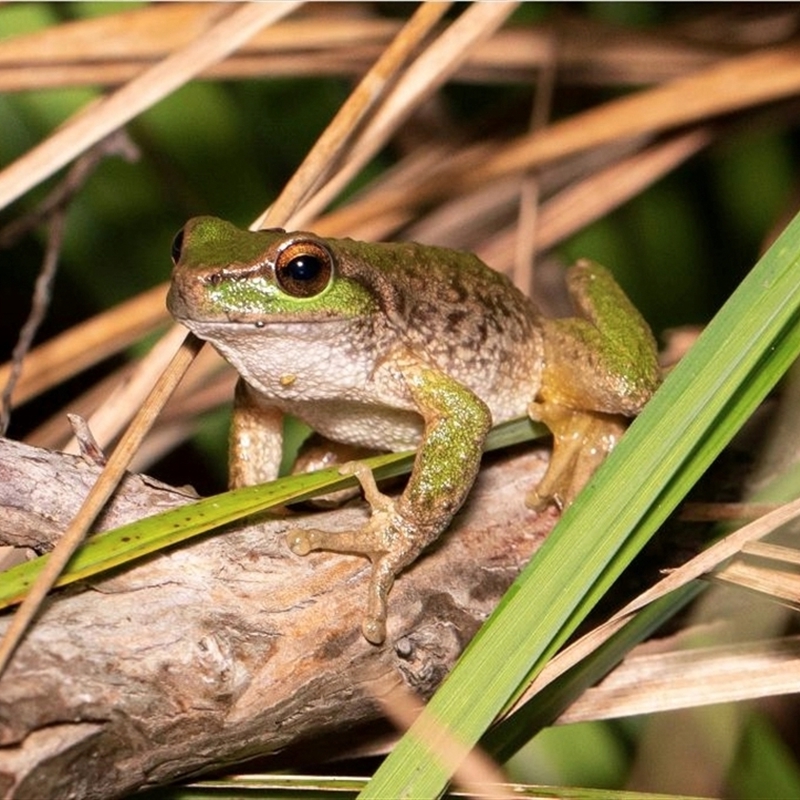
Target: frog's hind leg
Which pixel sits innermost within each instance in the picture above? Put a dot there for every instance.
(605, 358)
(600, 368)
(581, 440)
(456, 423)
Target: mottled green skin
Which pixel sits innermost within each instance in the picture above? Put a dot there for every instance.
(408, 345)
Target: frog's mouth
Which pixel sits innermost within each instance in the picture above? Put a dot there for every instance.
(270, 328)
(230, 333)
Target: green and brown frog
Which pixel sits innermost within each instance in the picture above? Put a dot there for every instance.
(400, 346)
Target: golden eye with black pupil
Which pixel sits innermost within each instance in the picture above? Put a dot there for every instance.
(304, 269)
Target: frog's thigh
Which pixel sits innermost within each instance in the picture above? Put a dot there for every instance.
(604, 359)
(599, 368)
(256, 439)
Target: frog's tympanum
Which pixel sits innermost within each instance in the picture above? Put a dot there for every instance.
(399, 346)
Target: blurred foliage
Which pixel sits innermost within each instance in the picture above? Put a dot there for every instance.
(584, 754)
(764, 767)
(227, 147)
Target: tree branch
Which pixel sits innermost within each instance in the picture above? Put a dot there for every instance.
(230, 647)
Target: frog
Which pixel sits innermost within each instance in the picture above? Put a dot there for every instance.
(399, 346)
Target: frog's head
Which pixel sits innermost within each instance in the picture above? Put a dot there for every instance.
(227, 276)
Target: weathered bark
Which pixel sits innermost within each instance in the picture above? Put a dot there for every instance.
(231, 646)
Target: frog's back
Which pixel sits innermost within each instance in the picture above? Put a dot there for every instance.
(467, 319)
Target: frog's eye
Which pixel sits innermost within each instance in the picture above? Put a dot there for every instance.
(177, 246)
(304, 269)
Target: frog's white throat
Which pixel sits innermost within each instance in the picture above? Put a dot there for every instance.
(304, 361)
(336, 378)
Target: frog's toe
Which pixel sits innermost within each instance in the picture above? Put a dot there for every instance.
(384, 571)
(301, 542)
(539, 499)
(374, 630)
(372, 540)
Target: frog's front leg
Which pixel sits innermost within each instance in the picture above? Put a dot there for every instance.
(256, 439)
(599, 369)
(456, 424)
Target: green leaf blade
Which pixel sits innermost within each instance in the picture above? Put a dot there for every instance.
(150, 535)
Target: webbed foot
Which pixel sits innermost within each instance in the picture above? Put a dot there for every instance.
(389, 540)
(581, 440)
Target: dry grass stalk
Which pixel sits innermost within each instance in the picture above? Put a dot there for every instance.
(776, 584)
(121, 405)
(418, 82)
(208, 385)
(87, 344)
(91, 125)
(647, 683)
(112, 49)
(472, 769)
(735, 84)
(701, 565)
(339, 135)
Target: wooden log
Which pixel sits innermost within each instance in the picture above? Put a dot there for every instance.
(228, 647)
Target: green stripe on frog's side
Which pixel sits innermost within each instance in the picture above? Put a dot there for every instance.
(246, 284)
(392, 346)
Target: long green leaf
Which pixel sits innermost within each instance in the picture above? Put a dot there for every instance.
(738, 358)
(146, 536)
(506, 738)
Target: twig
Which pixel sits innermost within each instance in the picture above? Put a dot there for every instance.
(530, 190)
(42, 294)
(53, 209)
(117, 143)
(420, 80)
(87, 127)
(328, 149)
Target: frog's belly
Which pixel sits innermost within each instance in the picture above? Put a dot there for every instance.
(379, 428)
(376, 410)
(385, 427)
